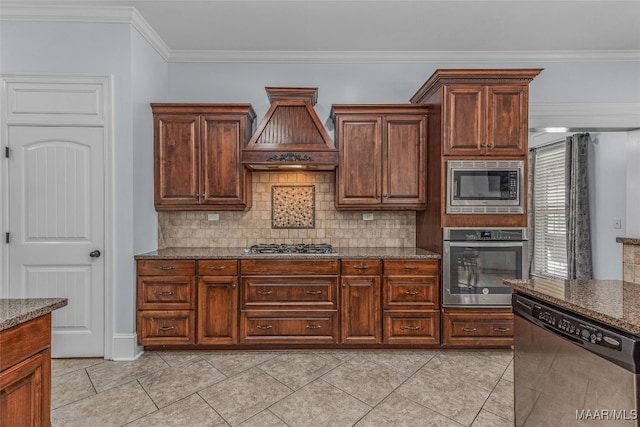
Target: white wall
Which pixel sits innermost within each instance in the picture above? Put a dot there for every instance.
(633, 185)
(607, 201)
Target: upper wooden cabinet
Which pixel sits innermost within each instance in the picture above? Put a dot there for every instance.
(197, 152)
(485, 120)
(484, 112)
(382, 156)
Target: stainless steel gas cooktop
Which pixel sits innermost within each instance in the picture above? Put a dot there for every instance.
(282, 248)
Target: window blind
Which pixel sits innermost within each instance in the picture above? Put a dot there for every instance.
(550, 231)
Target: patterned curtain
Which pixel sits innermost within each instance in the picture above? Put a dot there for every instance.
(579, 264)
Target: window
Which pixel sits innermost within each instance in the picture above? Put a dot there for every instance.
(550, 231)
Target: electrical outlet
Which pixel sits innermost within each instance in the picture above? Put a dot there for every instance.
(213, 217)
(617, 223)
(367, 217)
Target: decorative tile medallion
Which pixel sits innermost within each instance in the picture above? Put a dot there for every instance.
(293, 206)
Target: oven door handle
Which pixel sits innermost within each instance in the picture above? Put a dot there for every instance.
(487, 243)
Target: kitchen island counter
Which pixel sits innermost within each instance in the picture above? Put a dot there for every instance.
(14, 311)
(238, 253)
(614, 303)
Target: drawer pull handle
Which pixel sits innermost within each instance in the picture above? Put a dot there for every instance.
(410, 267)
(412, 292)
(313, 292)
(218, 267)
(264, 327)
(264, 292)
(469, 329)
(501, 329)
(165, 293)
(168, 267)
(166, 328)
(412, 328)
(361, 267)
(313, 326)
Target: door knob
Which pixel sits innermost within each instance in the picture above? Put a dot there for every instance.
(95, 254)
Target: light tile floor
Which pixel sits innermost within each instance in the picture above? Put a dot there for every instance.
(293, 388)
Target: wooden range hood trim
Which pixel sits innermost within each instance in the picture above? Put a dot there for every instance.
(291, 134)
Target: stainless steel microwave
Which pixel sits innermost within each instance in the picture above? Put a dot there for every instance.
(485, 187)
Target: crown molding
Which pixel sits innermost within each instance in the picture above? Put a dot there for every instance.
(87, 14)
(399, 56)
(13, 11)
(585, 117)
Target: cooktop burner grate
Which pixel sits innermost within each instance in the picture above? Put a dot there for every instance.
(283, 248)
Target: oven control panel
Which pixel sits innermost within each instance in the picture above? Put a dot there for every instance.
(576, 328)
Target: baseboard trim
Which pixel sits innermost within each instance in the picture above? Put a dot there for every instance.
(126, 348)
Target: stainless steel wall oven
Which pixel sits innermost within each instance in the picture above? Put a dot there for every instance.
(475, 261)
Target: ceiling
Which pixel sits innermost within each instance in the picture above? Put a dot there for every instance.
(357, 27)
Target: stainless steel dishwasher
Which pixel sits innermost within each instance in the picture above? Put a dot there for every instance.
(572, 371)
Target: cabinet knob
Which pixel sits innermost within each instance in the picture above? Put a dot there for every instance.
(483, 145)
(490, 145)
(233, 286)
(344, 285)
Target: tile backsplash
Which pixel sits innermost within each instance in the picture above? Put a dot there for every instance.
(243, 229)
(631, 263)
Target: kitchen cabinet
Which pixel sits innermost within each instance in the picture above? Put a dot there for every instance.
(485, 120)
(166, 292)
(285, 301)
(217, 309)
(360, 301)
(25, 374)
(477, 327)
(476, 115)
(382, 156)
(411, 302)
(197, 156)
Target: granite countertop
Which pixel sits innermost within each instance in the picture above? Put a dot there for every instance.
(14, 311)
(612, 302)
(628, 240)
(238, 253)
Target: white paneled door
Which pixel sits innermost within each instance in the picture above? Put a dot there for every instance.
(56, 222)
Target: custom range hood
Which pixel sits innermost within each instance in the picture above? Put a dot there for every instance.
(290, 135)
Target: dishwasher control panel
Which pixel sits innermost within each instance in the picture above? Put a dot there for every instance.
(575, 327)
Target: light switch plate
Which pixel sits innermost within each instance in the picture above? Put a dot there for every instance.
(367, 217)
(213, 217)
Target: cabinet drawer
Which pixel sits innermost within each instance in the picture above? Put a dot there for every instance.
(166, 292)
(288, 266)
(477, 329)
(217, 267)
(313, 291)
(157, 327)
(360, 267)
(169, 267)
(412, 327)
(411, 267)
(289, 327)
(21, 341)
(411, 292)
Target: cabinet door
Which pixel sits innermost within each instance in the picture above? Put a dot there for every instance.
(507, 120)
(464, 120)
(360, 309)
(177, 160)
(25, 393)
(223, 176)
(404, 155)
(217, 310)
(359, 170)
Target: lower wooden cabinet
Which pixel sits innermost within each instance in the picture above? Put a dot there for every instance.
(412, 327)
(486, 327)
(411, 302)
(290, 326)
(166, 327)
(217, 310)
(360, 302)
(25, 374)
